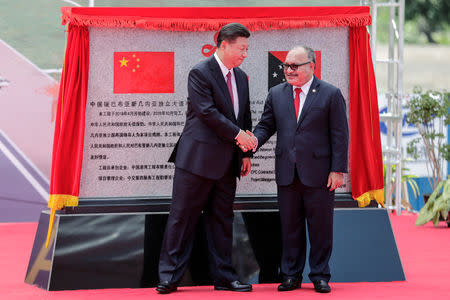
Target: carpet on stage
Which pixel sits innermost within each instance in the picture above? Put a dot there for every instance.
(424, 253)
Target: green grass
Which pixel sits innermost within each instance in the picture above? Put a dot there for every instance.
(220, 3)
(33, 28)
(413, 36)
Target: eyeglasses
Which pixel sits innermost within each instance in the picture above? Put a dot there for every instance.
(294, 67)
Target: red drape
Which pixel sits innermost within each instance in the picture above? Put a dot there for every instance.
(69, 125)
(366, 165)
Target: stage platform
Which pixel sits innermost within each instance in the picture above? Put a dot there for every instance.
(121, 249)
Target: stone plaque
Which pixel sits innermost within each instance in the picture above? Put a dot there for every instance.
(130, 135)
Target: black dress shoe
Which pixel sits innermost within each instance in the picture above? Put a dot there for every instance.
(289, 285)
(165, 287)
(234, 286)
(321, 286)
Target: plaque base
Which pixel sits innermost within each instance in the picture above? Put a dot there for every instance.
(161, 204)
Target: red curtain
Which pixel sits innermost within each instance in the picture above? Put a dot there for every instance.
(366, 165)
(69, 125)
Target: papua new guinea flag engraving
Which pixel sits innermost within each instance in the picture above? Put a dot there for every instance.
(276, 60)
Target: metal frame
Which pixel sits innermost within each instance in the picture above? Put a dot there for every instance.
(392, 151)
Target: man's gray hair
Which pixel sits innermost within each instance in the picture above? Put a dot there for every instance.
(309, 52)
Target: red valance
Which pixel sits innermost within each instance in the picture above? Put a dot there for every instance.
(213, 18)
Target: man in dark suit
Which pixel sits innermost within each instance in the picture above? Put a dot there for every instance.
(309, 117)
(208, 161)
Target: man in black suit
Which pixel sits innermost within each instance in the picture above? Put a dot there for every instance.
(309, 117)
(208, 161)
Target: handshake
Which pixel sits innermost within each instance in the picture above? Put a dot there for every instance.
(246, 141)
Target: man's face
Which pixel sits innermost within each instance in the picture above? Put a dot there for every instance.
(235, 52)
(303, 73)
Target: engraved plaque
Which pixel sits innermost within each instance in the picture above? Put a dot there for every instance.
(129, 135)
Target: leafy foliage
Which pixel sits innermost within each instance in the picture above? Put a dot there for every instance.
(437, 205)
(424, 109)
(405, 178)
(431, 15)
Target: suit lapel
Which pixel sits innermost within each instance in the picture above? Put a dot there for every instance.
(312, 93)
(218, 76)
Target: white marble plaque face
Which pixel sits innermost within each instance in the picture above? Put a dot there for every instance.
(129, 136)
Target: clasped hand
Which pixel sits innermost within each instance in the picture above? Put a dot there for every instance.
(246, 141)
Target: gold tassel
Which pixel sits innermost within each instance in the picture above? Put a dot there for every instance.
(377, 195)
(57, 202)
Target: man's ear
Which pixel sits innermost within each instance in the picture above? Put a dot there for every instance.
(223, 44)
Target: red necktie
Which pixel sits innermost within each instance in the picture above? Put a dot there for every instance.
(297, 101)
(230, 89)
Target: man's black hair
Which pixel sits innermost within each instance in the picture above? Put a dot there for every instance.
(231, 32)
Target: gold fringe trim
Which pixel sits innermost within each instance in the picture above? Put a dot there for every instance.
(59, 201)
(56, 202)
(377, 195)
(164, 24)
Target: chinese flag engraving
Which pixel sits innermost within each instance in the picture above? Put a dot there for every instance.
(276, 60)
(143, 72)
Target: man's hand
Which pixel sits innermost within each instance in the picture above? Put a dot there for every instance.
(335, 180)
(255, 140)
(246, 166)
(246, 141)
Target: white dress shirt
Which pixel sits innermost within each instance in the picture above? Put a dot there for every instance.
(303, 94)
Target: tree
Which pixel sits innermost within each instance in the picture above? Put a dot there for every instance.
(430, 15)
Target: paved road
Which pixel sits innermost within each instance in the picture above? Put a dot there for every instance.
(26, 134)
(27, 107)
(23, 189)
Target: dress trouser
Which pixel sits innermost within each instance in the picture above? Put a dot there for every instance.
(299, 203)
(191, 195)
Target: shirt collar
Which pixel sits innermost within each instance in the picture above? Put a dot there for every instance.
(222, 66)
(305, 87)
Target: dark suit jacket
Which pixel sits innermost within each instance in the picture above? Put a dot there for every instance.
(207, 146)
(318, 143)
